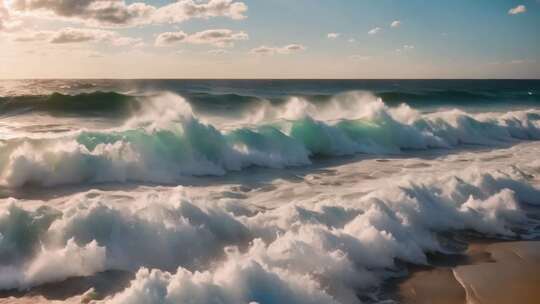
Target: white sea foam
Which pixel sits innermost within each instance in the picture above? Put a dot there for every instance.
(304, 251)
(304, 236)
(165, 141)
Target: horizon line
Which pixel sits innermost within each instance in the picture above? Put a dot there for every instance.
(263, 78)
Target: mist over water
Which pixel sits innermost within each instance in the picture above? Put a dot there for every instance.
(265, 192)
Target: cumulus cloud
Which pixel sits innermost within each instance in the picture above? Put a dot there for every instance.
(513, 62)
(217, 52)
(517, 10)
(359, 57)
(7, 23)
(522, 61)
(188, 9)
(120, 13)
(32, 36)
(95, 55)
(395, 23)
(374, 31)
(168, 38)
(3, 15)
(94, 12)
(285, 50)
(217, 37)
(406, 47)
(76, 35)
(333, 35)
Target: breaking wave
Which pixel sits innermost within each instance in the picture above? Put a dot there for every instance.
(164, 140)
(329, 251)
(110, 103)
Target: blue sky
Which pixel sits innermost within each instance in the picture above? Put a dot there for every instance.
(274, 39)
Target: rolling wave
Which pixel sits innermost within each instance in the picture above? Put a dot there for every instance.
(101, 103)
(94, 104)
(165, 140)
(437, 98)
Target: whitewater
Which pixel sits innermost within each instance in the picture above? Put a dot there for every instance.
(172, 197)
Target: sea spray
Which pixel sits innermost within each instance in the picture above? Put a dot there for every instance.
(165, 140)
(323, 251)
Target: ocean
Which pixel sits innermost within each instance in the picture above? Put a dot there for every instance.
(256, 191)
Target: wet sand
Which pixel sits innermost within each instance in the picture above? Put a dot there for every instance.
(73, 290)
(491, 273)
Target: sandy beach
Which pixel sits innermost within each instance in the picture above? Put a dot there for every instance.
(495, 273)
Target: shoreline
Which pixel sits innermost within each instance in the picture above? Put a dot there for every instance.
(488, 272)
(497, 272)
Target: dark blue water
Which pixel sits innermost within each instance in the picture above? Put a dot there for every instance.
(230, 93)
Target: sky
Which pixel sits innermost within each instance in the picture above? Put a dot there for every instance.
(269, 39)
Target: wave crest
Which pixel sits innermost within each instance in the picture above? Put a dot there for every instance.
(165, 140)
(332, 248)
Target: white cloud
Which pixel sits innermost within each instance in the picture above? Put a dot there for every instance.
(95, 55)
(359, 57)
(217, 37)
(352, 40)
(395, 23)
(513, 62)
(522, 61)
(292, 48)
(218, 52)
(517, 10)
(188, 9)
(6, 22)
(76, 35)
(263, 50)
(4, 15)
(32, 36)
(113, 13)
(374, 31)
(406, 47)
(333, 35)
(140, 44)
(285, 50)
(168, 38)
(91, 12)
(73, 35)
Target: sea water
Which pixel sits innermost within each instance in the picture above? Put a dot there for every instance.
(263, 191)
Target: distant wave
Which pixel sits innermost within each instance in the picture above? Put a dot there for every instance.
(391, 98)
(164, 140)
(457, 97)
(114, 104)
(94, 104)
